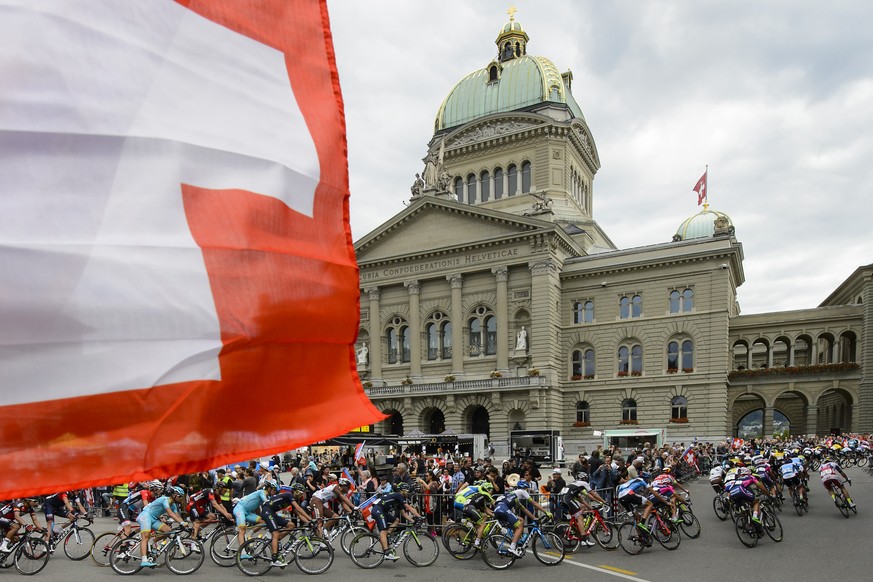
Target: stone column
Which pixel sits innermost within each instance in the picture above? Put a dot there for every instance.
(465, 197)
(769, 356)
(768, 422)
(375, 334)
(811, 419)
(791, 355)
(749, 359)
(414, 288)
(505, 184)
(502, 276)
(457, 283)
(491, 188)
(545, 295)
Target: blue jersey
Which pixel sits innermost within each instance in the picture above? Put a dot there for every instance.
(634, 486)
(252, 501)
(159, 507)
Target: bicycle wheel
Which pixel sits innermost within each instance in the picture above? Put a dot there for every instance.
(862, 461)
(841, 504)
(348, 535)
(495, 551)
(184, 556)
(313, 555)
(567, 535)
(31, 556)
(124, 557)
(102, 546)
(665, 532)
(689, 525)
(420, 549)
(721, 511)
(606, 535)
(746, 531)
(548, 548)
(259, 557)
(77, 544)
(459, 541)
(366, 551)
(630, 538)
(772, 525)
(223, 546)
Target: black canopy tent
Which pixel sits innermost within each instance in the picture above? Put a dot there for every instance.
(353, 438)
(447, 441)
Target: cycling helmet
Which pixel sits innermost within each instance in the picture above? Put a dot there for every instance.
(522, 484)
(403, 487)
(343, 482)
(582, 476)
(269, 483)
(156, 485)
(667, 469)
(744, 472)
(298, 488)
(174, 490)
(486, 486)
(480, 482)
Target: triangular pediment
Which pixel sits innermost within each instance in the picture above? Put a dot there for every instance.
(433, 224)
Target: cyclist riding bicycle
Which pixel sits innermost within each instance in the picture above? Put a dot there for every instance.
(11, 520)
(633, 493)
(321, 501)
(150, 517)
(386, 511)
(574, 498)
(665, 485)
(471, 502)
(245, 512)
(131, 506)
(830, 472)
(204, 504)
(61, 504)
(745, 488)
(791, 478)
(287, 499)
(518, 499)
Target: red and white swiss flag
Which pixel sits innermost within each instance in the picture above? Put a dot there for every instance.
(178, 287)
(700, 188)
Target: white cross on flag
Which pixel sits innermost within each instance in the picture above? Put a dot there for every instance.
(178, 287)
(700, 188)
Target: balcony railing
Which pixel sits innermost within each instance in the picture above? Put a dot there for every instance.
(792, 370)
(462, 386)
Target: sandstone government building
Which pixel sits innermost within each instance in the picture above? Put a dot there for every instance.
(495, 304)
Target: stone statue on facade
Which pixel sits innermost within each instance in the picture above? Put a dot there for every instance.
(444, 181)
(521, 339)
(363, 355)
(430, 171)
(417, 186)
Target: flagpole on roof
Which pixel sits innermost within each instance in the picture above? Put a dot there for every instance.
(706, 200)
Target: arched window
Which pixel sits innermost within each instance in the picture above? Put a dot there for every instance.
(583, 311)
(471, 189)
(398, 341)
(576, 372)
(459, 189)
(484, 186)
(498, 183)
(438, 343)
(680, 356)
(847, 347)
(507, 51)
(583, 412)
(629, 409)
(630, 360)
(512, 172)
(630, 307)
(681, 301)
(589, 312)
(679, 409)
(483, 332)
(492, 73)
(525, 177)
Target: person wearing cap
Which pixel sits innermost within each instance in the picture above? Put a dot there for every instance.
(554, 486)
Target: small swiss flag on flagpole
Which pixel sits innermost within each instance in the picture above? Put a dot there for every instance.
(700, 188)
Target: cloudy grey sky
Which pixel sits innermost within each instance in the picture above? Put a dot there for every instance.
(777, 97)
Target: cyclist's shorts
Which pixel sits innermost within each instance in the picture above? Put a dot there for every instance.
(792, 481)
(49, 510)
(831, 484)
(631, 500)
(274, 522)
(505, 516)
(382, 518)
(666, 492)
(242, 517)
(123, 514)
(472, 513)
(146, 521)
(742, 494)
(196, 514)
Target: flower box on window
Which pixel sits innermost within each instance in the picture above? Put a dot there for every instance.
(406, 381)
(622, 374)
(449, 378)
(581, 424)
(588, 377)
(628, 422)
(687, 370)
(368, 384)
(533, 372)
(679, 420)
(496, 374)
(636, 373)
(576, 377)
(672, 370)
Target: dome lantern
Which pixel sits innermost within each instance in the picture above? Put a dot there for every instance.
(705, 224)
(512, 39)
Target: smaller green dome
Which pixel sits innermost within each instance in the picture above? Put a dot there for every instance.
(704, 224)
(512, 26)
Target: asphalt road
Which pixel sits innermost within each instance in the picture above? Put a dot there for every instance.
(821, 546)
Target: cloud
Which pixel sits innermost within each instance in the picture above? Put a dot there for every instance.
(776, 97)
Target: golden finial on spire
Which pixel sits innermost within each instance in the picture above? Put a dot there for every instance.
(512, 10)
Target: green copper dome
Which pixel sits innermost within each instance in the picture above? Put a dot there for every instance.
(704, 225)
(512, 81)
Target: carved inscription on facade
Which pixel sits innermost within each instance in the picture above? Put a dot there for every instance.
(440, 264)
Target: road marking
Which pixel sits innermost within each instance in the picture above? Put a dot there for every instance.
(607, 570)
(614, 569)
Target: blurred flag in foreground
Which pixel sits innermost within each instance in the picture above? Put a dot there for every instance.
(178, 287)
